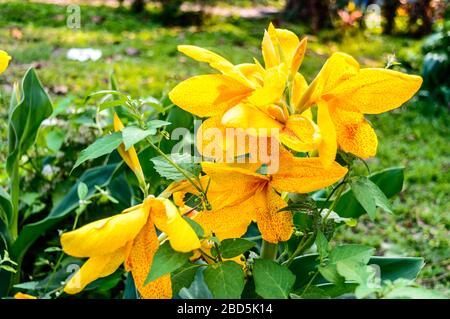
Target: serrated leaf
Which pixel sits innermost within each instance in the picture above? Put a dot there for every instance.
(100, 147)
(272, 281)
(369, 195)
(225, 280)
(166, 260)
(132, 135)
(233, 247)
(183, 277)
(185, 161)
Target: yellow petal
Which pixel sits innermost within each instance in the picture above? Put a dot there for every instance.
(246, 116)
(275, 226)
(95, 267)
(104, 236)
(374, 91)
(298, 56)
(304, 175)
(228, 222)
(215, 61)
(273, 88)
(328, 145)
(21, 295)
(167, 219)
(337, 69)
(300, 134)
(299, 87)
(140, 261)
(354, 134)
(269, 51)
(208, 95)
(253, 72)
(4, 61)
(288, 42)
(130, 157)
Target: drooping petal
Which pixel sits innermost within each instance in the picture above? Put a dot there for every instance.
(215, 61)
(328, 144)
(168, 219)
(140, 261)
(130, 157)
(4, 61)
(374, 91)
(208, 95)
(300, 134)
(275, 226)
(354, 134)
(273, 88)
(246, 116)
(304, 175)
(104, 236)
(95, 267)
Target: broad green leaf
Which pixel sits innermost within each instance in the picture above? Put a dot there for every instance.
(363, 275)
(225, 280)
(104, 92)
(155, 124)
(392, 268)
(55, 139)
(166, 260)
(26, 116)
(198, 289)
(233, 247)
(390, 181)
(132, 135)
(413, 293)
(369, 195)
(322, 244)
(272, 280)
(111, 103)
(100, 147)
(98, 176)
(185, 161)
(183, 277)
(5, 208)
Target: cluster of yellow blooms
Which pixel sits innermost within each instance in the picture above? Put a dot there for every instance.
(250, 95)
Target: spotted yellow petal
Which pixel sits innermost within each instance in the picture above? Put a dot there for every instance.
(374, 91)
(275, 226)
(130, 157)
(215, 61)
(328, 144)
(298, 56)
(106, 235)
(299, 87)
(304, 175)
(300, 134)
(4, 61)
(354, 133)
(168, 219)
(95, 267)
(140, 261)
(208, 95)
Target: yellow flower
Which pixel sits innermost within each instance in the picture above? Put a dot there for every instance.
(129, 238)
(21, 295)
(257, 197)
(129, 156)
(4, 61)
(343, 93)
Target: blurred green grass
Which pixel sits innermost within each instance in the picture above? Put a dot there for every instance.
(408, 136)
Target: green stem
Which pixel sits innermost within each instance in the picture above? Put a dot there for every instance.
(301, 246)
(336, 200)
(15, 190)
(269, 250)
(310, 282)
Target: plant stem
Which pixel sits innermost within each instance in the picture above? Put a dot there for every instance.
(310, 282)
(269, 250)
(301, 246)
(338, 196)
(15, 190)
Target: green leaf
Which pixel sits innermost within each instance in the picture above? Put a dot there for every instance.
(55, 139)
(393, 268)
(363, 275)
(195, 226)
(100, 147)
(155, 124)
(130, 291)
(111, 103)
(225, 280)
(132, 135)
(166, 260)
(390, 181)
(5, 208)
(82, 190)
(322, 244)
(272, 280)
(98, 176)
(183, 277)
(233, 247)
(369, 195)
(413, 293)
(185, 161)
(26, 116)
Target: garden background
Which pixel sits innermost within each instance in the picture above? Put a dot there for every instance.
(138, 43)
